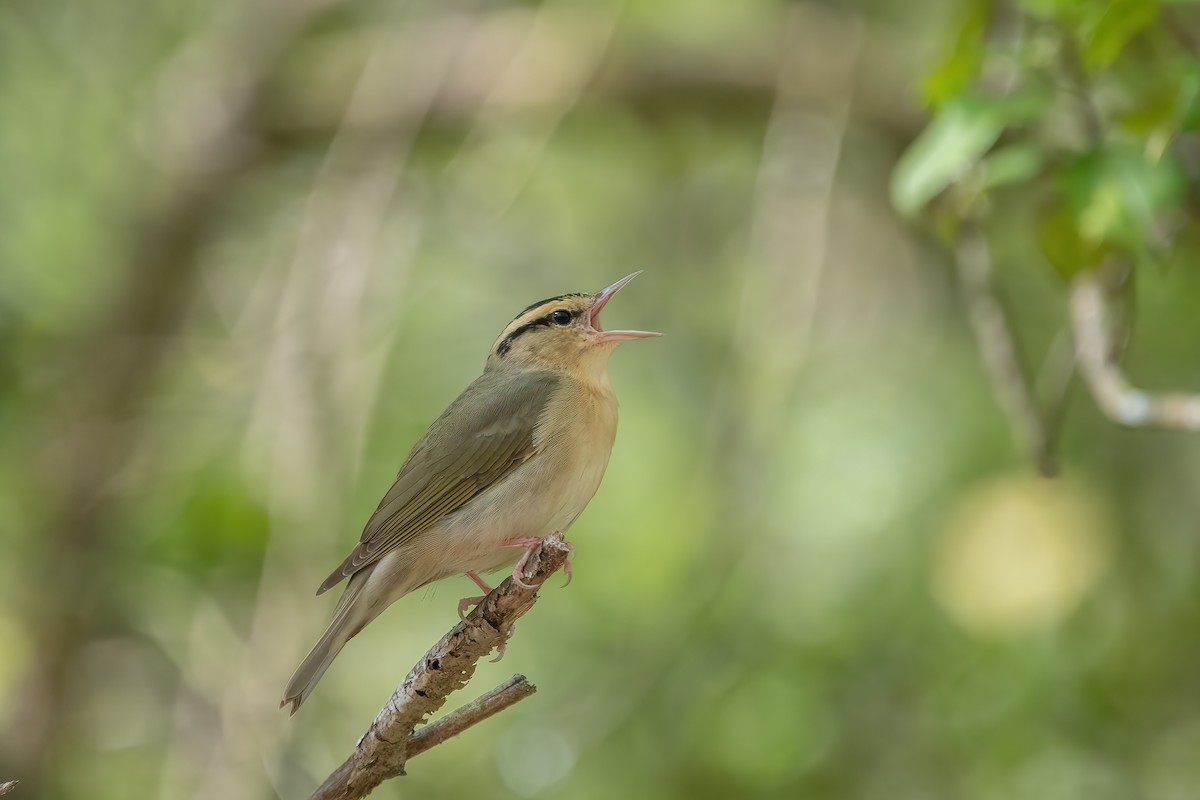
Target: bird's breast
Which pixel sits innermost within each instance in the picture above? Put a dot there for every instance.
(574, 440)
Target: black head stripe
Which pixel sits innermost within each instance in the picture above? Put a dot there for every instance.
(544, 302)
(506, 343)
(541, 322)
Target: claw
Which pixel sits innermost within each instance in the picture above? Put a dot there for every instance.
(567, 563)
(518, 573)
(530, 542)
(466, 603)
(503, 646)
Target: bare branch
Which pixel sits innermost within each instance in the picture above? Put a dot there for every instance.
(509, 693)
(1054, 382)
(1092, 325)
(998, 348)
(384, 749)
(5, 788)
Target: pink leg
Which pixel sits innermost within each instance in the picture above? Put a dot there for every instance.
(530, 542)
(479, 582)
(467, 602)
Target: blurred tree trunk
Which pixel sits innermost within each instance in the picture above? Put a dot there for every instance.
(114, 369)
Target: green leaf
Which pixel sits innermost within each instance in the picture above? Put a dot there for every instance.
(1160, 100)
(1110, 26)
(1189, 100)
(1060, 242)
(1048, 9)
(1103, 28)
(1117, 194)
(1155, 110)
(953, 142)
(960, 134)
(961, 66)
(1016, 163)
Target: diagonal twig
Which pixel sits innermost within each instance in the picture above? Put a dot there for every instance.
(386, 746)
(509, 693)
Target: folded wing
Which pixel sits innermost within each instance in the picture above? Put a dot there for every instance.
(480, 439)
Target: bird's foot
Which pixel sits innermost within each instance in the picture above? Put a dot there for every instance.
(518, 571)
(530, 542)
(466, 603)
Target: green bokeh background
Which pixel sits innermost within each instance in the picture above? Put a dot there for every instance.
(248, 250)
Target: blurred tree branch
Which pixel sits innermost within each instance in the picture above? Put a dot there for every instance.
(1098, 356)
(309, 92)
(387, 745)
(5, 788)
(1111, 189)
(998, 349)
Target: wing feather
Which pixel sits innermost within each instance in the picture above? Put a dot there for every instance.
(480, 439)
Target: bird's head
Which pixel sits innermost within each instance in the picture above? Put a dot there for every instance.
(563, 334)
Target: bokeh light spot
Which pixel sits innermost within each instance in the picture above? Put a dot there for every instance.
(1019, 554)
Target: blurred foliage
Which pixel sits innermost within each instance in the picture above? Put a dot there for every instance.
(1084, 108)
(251, 249)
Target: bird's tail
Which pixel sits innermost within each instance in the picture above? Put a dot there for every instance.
(347, 621)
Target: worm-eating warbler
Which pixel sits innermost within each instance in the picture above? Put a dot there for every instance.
(517, 456)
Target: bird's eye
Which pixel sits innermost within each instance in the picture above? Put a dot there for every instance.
(561, 317)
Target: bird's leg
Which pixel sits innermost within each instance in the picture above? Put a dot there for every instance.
(467, 602)
(530, 542)
(474, 576)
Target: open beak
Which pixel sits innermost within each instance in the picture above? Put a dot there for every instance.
(601, 300)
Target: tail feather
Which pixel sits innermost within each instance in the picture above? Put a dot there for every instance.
(347, 621)
(305, 678)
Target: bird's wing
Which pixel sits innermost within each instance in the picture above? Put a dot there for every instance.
(482, 437)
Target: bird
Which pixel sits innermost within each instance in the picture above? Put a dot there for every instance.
(516, 457)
